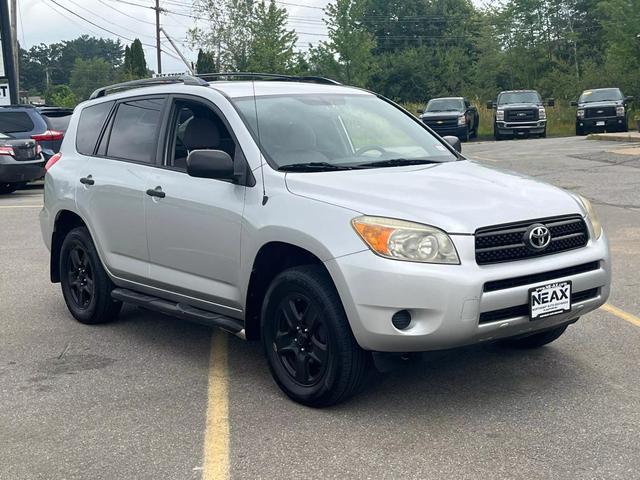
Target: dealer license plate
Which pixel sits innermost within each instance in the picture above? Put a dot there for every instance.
(600, 124)
(548, 300)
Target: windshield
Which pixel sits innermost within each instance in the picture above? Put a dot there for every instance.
(332, 131)
(601, 95)
(445, 105)
(518, 97)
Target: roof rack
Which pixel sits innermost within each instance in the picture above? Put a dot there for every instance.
(268, 76)
(18, 105)
(148, 82)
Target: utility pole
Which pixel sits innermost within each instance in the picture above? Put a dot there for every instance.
(7, 51)
(14, 43)
(175, 47)
(157, 9)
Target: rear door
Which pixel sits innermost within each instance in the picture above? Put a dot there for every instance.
(115, 179)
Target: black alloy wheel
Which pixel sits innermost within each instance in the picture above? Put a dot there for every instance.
(80, 277)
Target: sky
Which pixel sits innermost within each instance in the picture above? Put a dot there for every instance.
(50, 21)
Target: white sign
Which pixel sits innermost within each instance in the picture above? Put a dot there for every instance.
(1, 64)
(5, 98)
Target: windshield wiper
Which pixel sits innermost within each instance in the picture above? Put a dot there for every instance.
(313, 167)
(397, 162)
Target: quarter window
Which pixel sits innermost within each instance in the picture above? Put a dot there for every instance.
(135, 128)
(90, 125)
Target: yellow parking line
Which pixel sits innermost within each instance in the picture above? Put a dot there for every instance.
(20, 206)
(216, 435)
(621, 314)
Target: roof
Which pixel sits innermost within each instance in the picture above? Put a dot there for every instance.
(447, 98)
(519, 91)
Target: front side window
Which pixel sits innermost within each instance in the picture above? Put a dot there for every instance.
(601, 95)
(340, 131)
(519, 97)
(445, 105)
(196, 127)
(135, 128)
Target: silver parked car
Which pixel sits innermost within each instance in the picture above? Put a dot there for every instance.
(321, 219)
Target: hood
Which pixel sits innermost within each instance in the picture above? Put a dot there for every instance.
(458, 197)
(437, 115)
(608, 103)
(509, 106)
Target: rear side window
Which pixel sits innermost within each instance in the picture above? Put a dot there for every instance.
(134, 131)
(15, 122)
(89, 126)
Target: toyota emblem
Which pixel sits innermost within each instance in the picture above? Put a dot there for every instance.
(538, 237)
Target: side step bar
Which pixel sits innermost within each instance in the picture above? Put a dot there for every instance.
(180, 310)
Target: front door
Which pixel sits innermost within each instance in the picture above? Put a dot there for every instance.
(194, 228)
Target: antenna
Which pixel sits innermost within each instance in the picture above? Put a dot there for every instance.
(265, 198)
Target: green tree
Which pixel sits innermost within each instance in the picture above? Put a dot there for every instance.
(271, 46)
(348, 54)
(206, 62)
(138, 62)
(61, 96)
(88, 75)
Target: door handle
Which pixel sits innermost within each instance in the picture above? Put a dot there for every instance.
(88, 180)
(156, 192)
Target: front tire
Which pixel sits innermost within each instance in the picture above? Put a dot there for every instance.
(310, 348)
(85, 285)
(536, 340)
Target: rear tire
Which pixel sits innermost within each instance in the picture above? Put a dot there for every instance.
(85, 285)
(7, 188)
(536, 340)
(312, 353)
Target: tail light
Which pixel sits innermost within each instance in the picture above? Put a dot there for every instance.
(52, 161)
(48, 136)
(5, 150)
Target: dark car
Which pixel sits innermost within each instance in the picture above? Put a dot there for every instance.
(21, 161)
(45, 125)
(519, 113)
(451, 116)
(602, 109)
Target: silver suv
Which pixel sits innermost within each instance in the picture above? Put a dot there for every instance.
(323, 220)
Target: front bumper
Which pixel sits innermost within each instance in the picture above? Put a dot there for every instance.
(521, 128)
(446, 301)
(12, 171)
(607, 123)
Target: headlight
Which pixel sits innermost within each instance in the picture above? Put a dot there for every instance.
(591, 215)
(500, 115)
(408, 241)
(580, 113)
(620, 110)
(542, 113)
(462, 120)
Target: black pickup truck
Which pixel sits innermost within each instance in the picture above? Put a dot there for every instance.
(519, 113)
(451, 116)
(602, 109)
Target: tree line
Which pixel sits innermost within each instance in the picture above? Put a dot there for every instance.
(408, 50)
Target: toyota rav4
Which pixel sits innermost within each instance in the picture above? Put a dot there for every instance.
(323, 220)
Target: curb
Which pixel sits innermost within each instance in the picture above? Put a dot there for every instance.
(615, 137)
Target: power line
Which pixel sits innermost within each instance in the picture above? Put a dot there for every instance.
(108, 21)
(125, 14)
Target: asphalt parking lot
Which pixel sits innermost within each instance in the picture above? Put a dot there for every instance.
(148, 398)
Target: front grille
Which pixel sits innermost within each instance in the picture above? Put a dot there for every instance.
(595, 112)
(506, 243)
(523, 310)
(446, 122)
(521, 115)
(540, 277)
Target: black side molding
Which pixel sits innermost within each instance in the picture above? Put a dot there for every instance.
(179, 310)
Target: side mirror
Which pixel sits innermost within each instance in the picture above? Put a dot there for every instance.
(420, 111)
(574, 103)
(490, 104)
(210, 164)
(551, 102)
(454, 142)
(628, 99)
